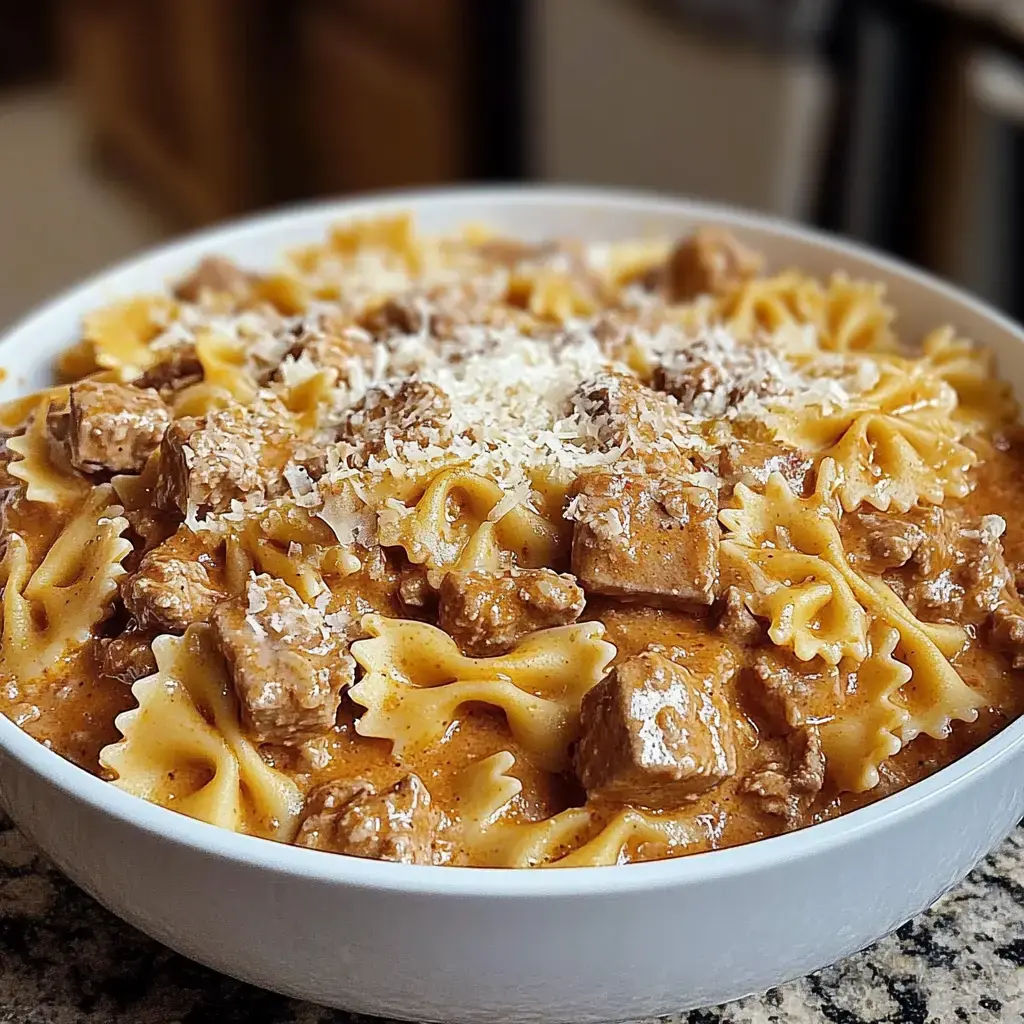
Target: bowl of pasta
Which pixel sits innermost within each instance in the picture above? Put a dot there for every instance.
(505, 605)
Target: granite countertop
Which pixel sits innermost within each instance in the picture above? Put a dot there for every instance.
(65, 960)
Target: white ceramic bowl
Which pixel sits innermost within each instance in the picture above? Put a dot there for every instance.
(457, 944)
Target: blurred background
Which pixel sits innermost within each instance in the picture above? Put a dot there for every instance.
(897, 122)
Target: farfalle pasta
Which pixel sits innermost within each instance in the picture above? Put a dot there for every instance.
(489, 552)
(887, 463)
(46, 474)
(807, 530)
(415, 680)
(869, 729)
(984, 402)
(576, 837)
(847, 315)
(183, 747)
(897, 444)
(479, 537)
(808, 602)
(226, 377)
(117, 337)
(53, 607)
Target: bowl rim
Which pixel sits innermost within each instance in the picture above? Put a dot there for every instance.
(200, 837)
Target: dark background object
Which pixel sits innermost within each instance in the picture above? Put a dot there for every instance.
(27, 53)
(498, 41)
(889, 58)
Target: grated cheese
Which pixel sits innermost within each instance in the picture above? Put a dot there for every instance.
(517, 401)
(991, 528)
(716, 376)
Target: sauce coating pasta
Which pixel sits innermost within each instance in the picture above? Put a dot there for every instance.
(469, 551)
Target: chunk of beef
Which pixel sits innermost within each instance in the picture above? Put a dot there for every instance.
(177, 368)
(1017, 573)
(616, 410)
(937, 553)
(234, 453)
(752, 462)
(613, 331)
(650, 538)
(654, 734)
(415, 412)
(789, 692)
(716, 376)
(148, 525)
(440, 310)
(171, 589)
(982, 570)
(354, 819)
(1007, 631)
(129, 657)
(215, 276)
(328, 346)
(710, 262)
(317, 460)
(288, 668)
(415, 591)
(957, 573)
(735, 620)
(487, 613)
(785, 788)
(112, 428)
(400, 314)
(205, 467)
(58, 426)
(877, 542)
(147, 528)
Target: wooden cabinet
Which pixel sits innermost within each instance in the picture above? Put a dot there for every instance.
(377, 117)
(429, 30)
(118, 63)
(168, 90)
(220, 106)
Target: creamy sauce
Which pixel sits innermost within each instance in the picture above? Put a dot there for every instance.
(72, 707)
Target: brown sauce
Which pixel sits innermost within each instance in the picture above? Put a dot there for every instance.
(73, 705)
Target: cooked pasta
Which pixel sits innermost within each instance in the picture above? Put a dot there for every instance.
(183, 746)
(474, 551)
(415, 680)
(869, 730)
(45, 473)
(52, 608)
(576, 837)
(117, 337)
(477, 538)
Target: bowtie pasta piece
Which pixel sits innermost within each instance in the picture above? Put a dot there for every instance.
(52, 609)
(577, 837)
(476, 539)
(183, 746)
(787, 545)
(43, 467)
(415, 679)
(868, 730)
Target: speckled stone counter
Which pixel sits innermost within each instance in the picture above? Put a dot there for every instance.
(65, 960)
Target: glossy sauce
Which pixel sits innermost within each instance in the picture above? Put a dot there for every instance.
(72, 709)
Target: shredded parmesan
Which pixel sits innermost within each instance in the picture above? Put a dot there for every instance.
(716, 376)
(991, 528)
(256, 595)
(453, 375)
